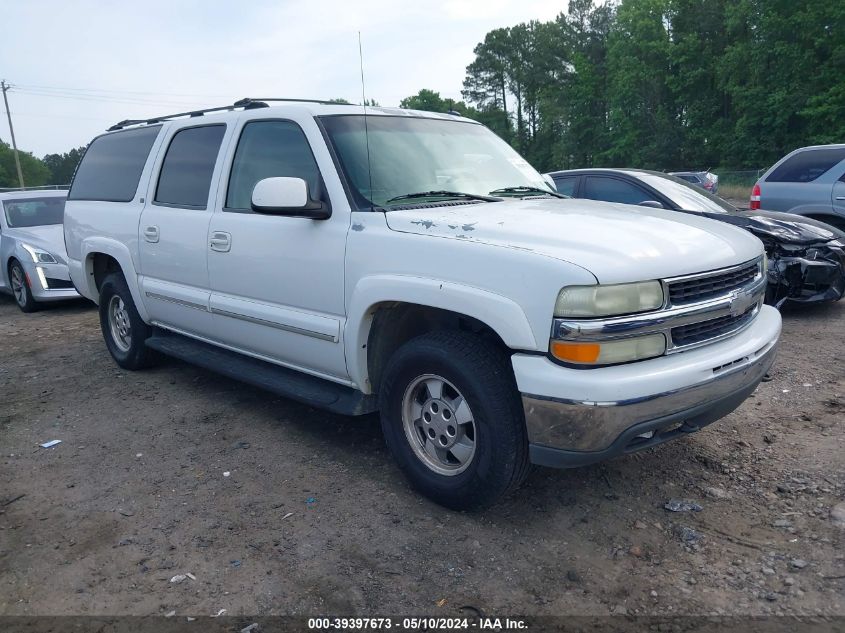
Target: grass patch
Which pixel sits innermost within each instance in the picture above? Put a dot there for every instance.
(737, 192)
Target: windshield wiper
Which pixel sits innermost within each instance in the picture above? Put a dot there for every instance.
(528, 190)
(443, 194)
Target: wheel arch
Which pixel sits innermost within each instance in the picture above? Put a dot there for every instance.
(385, 311)
(104, 256)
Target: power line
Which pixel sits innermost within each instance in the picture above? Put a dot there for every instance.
(102, 99)
(118, 92)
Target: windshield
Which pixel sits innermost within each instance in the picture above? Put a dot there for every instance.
(411, 155)
(686, 196)
(26, 212)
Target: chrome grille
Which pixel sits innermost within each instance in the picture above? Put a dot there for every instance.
(706, 287)
(705, 330)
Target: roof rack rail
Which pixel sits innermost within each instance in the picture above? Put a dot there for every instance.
(246, 103)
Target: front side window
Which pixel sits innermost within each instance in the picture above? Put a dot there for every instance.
(186, 172)
(807, 166)
(270, 149)
(111, 167)
(566, 185)
(26, 212)
(385, 157)
(614, 190)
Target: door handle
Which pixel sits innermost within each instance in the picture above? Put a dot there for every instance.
(151, 234)
(840, 197)
(220, 241)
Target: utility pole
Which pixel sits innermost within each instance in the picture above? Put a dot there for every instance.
(12, 132)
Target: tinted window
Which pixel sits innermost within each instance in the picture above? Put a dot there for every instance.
(566, 185)
(689, 178)
(112, 165)
(806, 166)
(614, 190)
(26, 212)
(268, 149)
(186, 171)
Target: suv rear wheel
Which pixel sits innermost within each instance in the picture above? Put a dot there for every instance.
(123, 329)
(452, 418)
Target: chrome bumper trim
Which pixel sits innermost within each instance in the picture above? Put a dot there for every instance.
(593, 426)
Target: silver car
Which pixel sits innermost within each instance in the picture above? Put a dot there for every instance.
(704, 179)
(32, 248)
(809, 181)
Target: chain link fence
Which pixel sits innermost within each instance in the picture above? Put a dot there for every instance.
(737, 184)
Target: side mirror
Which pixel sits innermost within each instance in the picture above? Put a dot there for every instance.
(289, 197)
(654, 204)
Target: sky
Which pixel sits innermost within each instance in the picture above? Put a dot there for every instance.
(78, 66)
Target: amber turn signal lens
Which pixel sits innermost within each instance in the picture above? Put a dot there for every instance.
(576, 352)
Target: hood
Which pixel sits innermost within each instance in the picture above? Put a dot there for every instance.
(781, 227)
(50, 238)
(615, 242)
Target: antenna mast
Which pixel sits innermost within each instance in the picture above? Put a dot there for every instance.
(366, 128)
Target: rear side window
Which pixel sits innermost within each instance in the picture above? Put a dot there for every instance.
(186, 172)
(268, 149)
(566, 185)
(112, 165)
(807, 166)
(614, 190)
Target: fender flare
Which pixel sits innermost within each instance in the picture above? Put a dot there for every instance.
(120, 252)
(502, 315)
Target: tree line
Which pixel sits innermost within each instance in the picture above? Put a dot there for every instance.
(660, 84)
(53, 169)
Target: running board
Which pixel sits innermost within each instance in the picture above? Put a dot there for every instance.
(310, 390)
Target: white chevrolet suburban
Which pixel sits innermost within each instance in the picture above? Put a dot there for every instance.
(412, 263)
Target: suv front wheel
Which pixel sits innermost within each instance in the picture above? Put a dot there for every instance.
(20, 287)
(123, 329)
(452, 418)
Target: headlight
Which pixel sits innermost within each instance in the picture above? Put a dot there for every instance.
(38, 255)
(596, 301)
(609, 352)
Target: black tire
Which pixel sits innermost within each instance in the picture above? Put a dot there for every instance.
(131, 352)
(23, 297)
(482, 374)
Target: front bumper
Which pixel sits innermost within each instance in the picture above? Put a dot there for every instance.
(814, 276)
(49, 282)
(579, 416)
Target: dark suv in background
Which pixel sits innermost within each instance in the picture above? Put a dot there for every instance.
(809, 181)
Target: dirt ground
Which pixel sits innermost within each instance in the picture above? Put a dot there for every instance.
(314, 518)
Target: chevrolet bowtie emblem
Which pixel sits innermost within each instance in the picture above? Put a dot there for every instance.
(741, 301)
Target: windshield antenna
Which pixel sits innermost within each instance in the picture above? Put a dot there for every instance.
(366, 128)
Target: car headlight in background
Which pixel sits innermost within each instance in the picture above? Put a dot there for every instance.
(39, 256)
(599, 301)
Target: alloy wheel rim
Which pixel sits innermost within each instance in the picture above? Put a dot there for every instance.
(439, 425)
(121, 330)
(18, 286)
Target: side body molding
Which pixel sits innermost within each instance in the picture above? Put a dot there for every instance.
(120, 252)
(501, 314)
